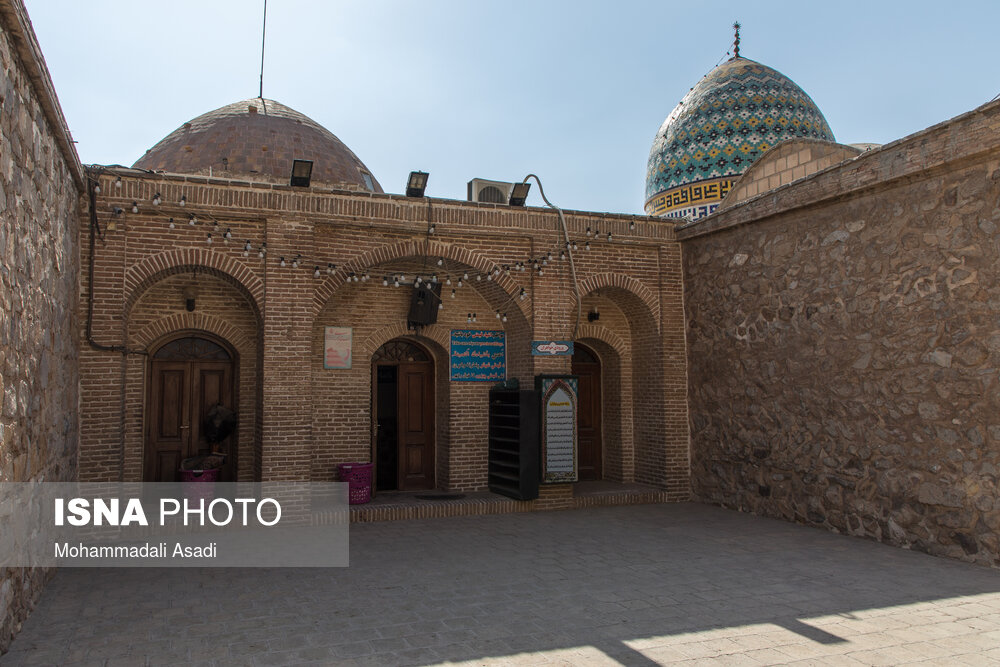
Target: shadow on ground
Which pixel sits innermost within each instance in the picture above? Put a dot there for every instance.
(637, 585)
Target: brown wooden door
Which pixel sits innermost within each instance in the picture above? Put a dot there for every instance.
(587, 368)
(182, 391)
(169, 438)
(415, 405)
(213, 384)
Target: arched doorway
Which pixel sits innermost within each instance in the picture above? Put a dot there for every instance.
(188, 375)
(403, 416)
(590, 455)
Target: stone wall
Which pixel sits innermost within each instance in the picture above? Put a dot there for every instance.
(844, 346)
(39, 194)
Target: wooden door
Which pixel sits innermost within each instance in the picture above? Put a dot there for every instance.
(415, 420)
(169, 438)
(212, 384)
(587, 368)
(188, 377)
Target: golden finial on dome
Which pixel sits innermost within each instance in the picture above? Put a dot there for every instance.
(736, 44)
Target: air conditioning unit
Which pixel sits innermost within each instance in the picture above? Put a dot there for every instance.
(493, 192)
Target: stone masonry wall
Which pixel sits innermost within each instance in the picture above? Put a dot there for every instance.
(844, 346)
(38, 273)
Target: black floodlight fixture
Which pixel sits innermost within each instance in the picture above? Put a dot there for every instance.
(416, 184)
(519, 194)
(301, 173)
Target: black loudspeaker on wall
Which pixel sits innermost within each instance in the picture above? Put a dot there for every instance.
(424, 305)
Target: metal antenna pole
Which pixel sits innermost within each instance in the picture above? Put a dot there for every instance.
(263, 33)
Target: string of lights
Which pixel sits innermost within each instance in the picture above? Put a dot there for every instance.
(444, 278)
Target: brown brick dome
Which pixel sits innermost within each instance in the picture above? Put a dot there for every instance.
(258, 139)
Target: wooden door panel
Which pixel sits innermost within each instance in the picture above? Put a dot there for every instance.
(213, 386)
(586, 399)
(416, 426)
(168, 463)
(414, 460)
(414, 406)
(181, 394)
(588, 420)
(169, 433)
(171, 404)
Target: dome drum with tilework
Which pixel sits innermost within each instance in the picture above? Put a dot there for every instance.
(732, 116)
(258, 139)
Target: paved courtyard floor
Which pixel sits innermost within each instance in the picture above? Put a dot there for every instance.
(640, 585)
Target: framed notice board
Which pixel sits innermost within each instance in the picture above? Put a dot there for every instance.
(558, 395)
(478, 356)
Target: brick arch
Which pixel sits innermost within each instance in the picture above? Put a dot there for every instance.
(617, 389)
(645, 418)
(420, 248)
(196, 322)
(245, 342)
(436, 341)
(633, 287)
(380, 337)
(154, 268)
(605, 335)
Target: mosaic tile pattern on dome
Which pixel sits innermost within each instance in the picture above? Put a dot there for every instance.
(729, 119)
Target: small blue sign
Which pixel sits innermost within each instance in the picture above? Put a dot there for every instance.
(552, 348)
(478, 356)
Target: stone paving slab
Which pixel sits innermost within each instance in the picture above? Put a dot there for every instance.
(682, 584)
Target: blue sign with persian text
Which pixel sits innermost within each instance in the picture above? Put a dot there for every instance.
(552, 348)
(478, 356)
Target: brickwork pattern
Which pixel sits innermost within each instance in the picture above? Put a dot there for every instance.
(221, 310)
(258, 140)
(307, 419)
(788, 161)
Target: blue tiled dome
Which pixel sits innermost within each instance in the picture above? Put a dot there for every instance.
(729, 119)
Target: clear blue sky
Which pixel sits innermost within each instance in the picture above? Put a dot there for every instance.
(571, 90)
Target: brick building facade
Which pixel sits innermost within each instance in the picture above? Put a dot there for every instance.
(829, 324)
(297, 419)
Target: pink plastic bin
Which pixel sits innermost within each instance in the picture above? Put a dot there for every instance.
(195, 488)
(359, 479)
(200, 475)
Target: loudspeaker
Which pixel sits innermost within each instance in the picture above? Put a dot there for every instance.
(424, 305)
